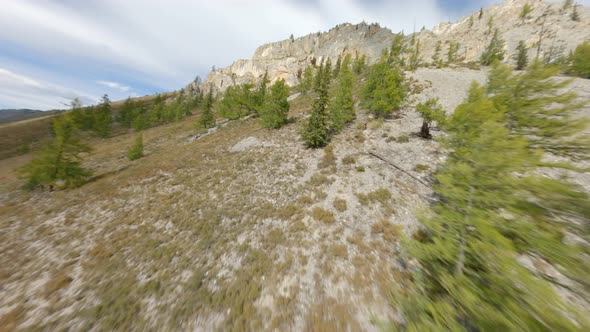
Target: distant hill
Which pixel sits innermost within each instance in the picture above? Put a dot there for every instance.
(12, 115)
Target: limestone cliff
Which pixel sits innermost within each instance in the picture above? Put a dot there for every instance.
(549, 22)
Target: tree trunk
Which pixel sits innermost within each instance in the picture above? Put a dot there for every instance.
(425, 131)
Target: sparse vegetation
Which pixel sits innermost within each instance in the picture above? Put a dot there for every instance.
(494, 51)
(325, 216)
(526, 10)
(136, 150)
(275, 109)
(430, 111)
(521, 57)
(580, 63)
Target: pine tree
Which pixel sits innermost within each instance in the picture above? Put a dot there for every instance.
(207, 118)
(341, 108)
(328, 71)
(316, 132)
(491, 211)
(136, 150)
(385, 90)
(260, 94)
(360, 64)
(397, 51)
(415, 58)
(103, 117)
(431, 111)
(58, 164)
(521, 57)
(274, 113)
(317, 80)
(494, 51)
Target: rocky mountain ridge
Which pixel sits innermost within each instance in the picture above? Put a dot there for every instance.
(548, 28)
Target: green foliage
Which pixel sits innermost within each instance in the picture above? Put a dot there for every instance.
(431, 111)
(494, 51)
(415, 56)
(580, 62)
(136, 150)
(274, 112)
(103, 117)
(490, 24)
(526, 10)
(337, 67)
(316, 132)
(341, 107)
(397, 51)
(521, 57)
(307, 81)
(58, 164)
(453, 51)
(207, 118)
(492, 210)
(125, 115)
(436, 58)
(386, 89)
(360, 64)
(238, 101)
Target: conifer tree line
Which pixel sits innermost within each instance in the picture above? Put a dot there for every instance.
(493, 210)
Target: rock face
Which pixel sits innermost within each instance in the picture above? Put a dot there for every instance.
(286, 59)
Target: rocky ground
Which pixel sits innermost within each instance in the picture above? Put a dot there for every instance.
(241, 229)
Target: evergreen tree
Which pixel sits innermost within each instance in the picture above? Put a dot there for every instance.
(317, 81)
(491, 211)
(360, 63)
(431, 111)
(316, 132)
(136, 150)
(125, 115)
(397, 51)
(260, 94)
(328, 71)
(580, 61)
(385, 90)
(274, 113)
(207, 118)
(307, 82)
(341, 108)
(521, 57)
(436, 59)
(58, 164)
(239, 101)
(415, 58)
(453, 50)
(337, 67)
(494, 51)
(103, 117)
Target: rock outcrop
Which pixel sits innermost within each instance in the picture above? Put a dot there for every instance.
(549, 23)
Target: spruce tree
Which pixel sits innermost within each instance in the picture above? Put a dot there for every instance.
(494, 51)
(103, 117)
(521, 57)
(58, 164)
(136, 150)
(337, 67)
(274, 112)
(317, 80)
(341, 108)
(431, 111)
(316, 132)
(207, 118)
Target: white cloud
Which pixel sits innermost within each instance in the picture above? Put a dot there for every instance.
(114, 85)
(27, 92)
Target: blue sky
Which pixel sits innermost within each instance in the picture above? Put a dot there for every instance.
(54, 50)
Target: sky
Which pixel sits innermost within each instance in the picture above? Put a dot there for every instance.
(52, 51)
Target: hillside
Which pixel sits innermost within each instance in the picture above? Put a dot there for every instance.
(546, 21)
(11, 115)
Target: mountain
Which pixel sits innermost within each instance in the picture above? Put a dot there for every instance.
(11, 115)
(550, 23)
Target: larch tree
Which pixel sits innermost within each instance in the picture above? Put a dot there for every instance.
(341, 108)
(274, 113)
(494, 51)
(316, 132)
(207, 118)
(103, 117)
(521, 56)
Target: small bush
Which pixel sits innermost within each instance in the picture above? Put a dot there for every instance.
(403, 139)
(329, 158)
(581, 61)
(389, 231)
(421, 168)
(340, 205)
(348, 160)
(325, 216)
(381, 195)
(136, 151)
(360, 168)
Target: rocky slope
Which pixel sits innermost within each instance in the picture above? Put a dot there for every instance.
(284, 59)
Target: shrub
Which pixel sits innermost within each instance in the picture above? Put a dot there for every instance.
(323, 215)
(136, 151)
(274, 112)
(581, 61)
(340, 205)
(403, 139)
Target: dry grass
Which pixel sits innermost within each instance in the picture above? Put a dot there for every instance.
(323, 215)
